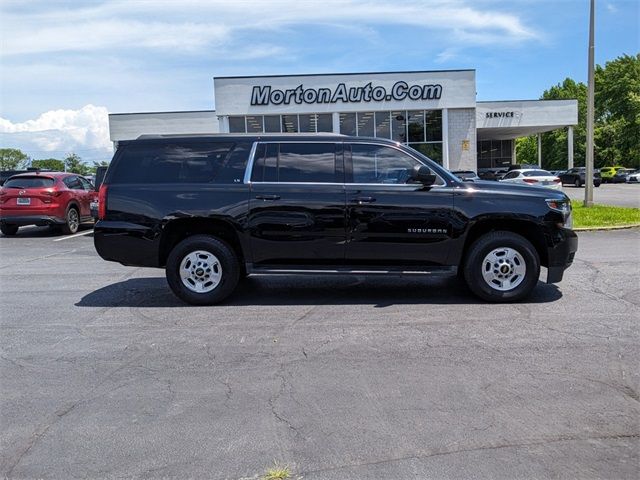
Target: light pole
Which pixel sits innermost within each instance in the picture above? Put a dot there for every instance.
(588, 185)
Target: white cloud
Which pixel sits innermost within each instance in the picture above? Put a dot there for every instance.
(57, 132)
(612, 8)
(192, 25)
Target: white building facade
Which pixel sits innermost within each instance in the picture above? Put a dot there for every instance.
(434, 112)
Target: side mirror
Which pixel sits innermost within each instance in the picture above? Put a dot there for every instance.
(423, 175)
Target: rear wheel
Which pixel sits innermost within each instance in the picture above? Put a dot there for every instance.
(202, 270)
(72, 221)
(8, 229)
(577, 183)
(502, 267)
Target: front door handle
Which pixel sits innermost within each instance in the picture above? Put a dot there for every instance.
(361, 200)
(268, 197)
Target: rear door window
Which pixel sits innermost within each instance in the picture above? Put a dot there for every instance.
(29, 182)
(296, 163)
(182, 162)
(73, 183)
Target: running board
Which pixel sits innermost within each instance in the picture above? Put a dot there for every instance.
(277, 270)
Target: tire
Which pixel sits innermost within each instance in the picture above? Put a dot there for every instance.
(8, 229)
(597, 185)
(215, 279)
(577, 183)
(72, 221)
(509, 251)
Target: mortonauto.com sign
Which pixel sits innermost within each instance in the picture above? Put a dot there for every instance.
(401, 90)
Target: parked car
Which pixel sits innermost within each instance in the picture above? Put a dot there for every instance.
(621, 175)
(491, 173)
(468, 175)
(576, 176)
(538, 178)
(607, 173)
(634, 177)
(211, 209)
(45, 198)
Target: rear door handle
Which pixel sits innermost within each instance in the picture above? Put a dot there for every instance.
(268, 197)
(361, 200)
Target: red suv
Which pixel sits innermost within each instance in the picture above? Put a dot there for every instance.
(45, 198)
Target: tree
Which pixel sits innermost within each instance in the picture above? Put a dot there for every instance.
(74, 164)
(13, 159)
(49, 164)
(617, 119)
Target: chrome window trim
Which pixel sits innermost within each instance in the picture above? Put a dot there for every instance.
(250, 163)
(249, 169)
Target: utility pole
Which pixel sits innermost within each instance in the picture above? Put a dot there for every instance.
(588, 185)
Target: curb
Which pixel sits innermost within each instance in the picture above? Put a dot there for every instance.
(598, 229)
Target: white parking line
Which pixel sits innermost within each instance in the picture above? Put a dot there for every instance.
(72, 236)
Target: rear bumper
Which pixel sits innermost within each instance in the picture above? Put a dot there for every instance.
(39, 220)
(561, 250)
(127, 243)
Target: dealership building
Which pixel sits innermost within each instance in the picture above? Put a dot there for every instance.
(435, 112)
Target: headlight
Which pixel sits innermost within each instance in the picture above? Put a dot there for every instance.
(564, 207)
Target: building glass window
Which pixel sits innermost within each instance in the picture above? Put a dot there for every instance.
(290, 124)
(272, 123)
(325, 122)
(365, 124)
(237, 125)
(433, 124)
(431, 150)
(307, 123)
(415, 126)
(383, 124)
(399, 126)
(254, 124)
(348, 124)
(494, 153)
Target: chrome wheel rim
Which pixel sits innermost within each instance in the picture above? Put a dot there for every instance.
(503, 269)
(200, 271)
(72, 220)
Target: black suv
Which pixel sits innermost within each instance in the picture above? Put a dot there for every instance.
(212, 209)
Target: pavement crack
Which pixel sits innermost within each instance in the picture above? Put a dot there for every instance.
(478, 448)
(274, 398)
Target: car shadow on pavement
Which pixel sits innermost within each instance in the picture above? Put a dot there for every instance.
(316, 290)
(45, 232)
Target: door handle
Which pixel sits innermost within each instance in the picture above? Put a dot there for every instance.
(268, 197)
(361, 200)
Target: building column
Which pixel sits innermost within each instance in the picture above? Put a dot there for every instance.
(445, 138)
(335, 118)
(514, 160)
(570, 146)
(540, 150)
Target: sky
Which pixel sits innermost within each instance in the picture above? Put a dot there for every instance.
(64, 65)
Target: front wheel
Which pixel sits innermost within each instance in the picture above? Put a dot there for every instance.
(577, 183)
(502, 267)
(202, 270)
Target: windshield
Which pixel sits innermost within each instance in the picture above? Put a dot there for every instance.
(29, 182)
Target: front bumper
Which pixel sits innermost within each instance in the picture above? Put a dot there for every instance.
(561, 250)
(39, 220)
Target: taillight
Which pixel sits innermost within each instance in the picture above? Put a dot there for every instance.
(102, 202)
(530, 180)
(556, 180)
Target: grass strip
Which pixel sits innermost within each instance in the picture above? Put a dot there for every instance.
(603, 216)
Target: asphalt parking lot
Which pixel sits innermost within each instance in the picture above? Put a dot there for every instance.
(620, 194)
(104, 373)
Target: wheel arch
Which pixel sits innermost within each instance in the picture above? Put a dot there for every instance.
(174, 231)
(530, 230)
